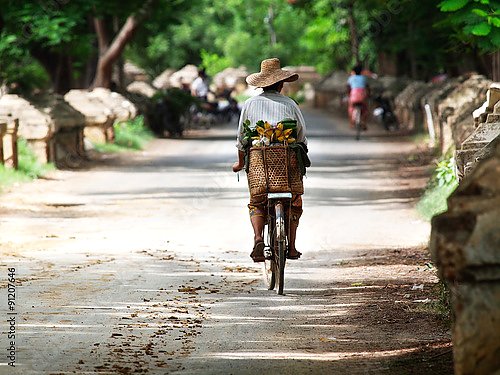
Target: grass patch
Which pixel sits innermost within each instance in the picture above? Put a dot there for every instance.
(434, 200)
(443, 305)
(420, 138)
(109, 147)
(9, 176)
(129, 135)
(440, 186)
(29, 167)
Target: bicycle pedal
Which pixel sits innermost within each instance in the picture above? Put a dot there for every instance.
(268, 254)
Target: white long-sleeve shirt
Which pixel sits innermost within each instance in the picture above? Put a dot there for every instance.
(270, 106)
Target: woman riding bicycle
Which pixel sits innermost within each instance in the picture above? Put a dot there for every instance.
(358, 91)
(270, 106)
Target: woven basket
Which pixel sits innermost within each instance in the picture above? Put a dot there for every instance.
(274, 169)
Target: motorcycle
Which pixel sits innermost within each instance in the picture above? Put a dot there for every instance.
(384, 114)
(205, 114)
(228, 109)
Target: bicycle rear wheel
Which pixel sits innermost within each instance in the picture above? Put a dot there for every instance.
(270, 268)
(280, 246)
(357, 120)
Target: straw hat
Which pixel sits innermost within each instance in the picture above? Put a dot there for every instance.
(271, 73)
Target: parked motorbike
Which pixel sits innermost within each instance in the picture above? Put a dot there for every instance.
(384, 114)
(171, 107)
(205, 114)
(228, 109)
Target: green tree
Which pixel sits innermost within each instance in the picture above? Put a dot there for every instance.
(476, 22)
(476, 25)
(77, 41)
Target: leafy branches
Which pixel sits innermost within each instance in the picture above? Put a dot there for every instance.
(476, 22)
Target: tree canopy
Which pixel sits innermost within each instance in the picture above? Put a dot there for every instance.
(65, 44)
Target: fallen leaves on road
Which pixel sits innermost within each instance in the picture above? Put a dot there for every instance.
(241, 269)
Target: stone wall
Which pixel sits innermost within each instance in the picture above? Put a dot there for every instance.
(407, 105)
(55, 126)
(431, 100)
(480, 144)
(329, 92)
(465, 243)
(8, 142)
(52, 128)
(66, 141)
(454, 112)
(35, 126)
(442, 109)
(99, 118)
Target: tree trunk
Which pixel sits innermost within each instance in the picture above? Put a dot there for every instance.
(120, 72)
(411, 53)
(495, 66)
(58, 66)
(353, 31)
(110, 53)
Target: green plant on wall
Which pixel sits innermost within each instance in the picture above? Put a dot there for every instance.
(441, 185)
(444, 174)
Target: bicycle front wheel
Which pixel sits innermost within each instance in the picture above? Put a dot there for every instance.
(270, 268)
(280, 243)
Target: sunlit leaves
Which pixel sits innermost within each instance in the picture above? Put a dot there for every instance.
(452, 5)
(478, 21)
(481, 29)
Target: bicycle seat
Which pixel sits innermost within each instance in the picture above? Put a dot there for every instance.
(279, 195)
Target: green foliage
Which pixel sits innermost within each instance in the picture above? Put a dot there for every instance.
(452, 5)
(29, 167)
(178, 101)
(433, 202)
(221, 33)
(17, 69)
(132, 134)
(9, 176)
(57, 31)
(475, 22)
(444, 173)
(213, 63)
(443, 304)
(441, 185)
(129, 135)
(28, 162)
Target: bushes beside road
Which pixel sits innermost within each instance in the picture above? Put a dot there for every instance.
(29, 167)
(129, 135)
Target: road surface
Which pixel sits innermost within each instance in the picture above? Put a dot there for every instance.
(140, 263)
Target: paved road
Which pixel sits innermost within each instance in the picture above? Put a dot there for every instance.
(140, 263)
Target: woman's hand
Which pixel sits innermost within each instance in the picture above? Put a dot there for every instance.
(238, 166)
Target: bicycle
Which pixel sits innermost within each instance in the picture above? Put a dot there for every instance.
(274, 173)
(278, 225)
(356, 118)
